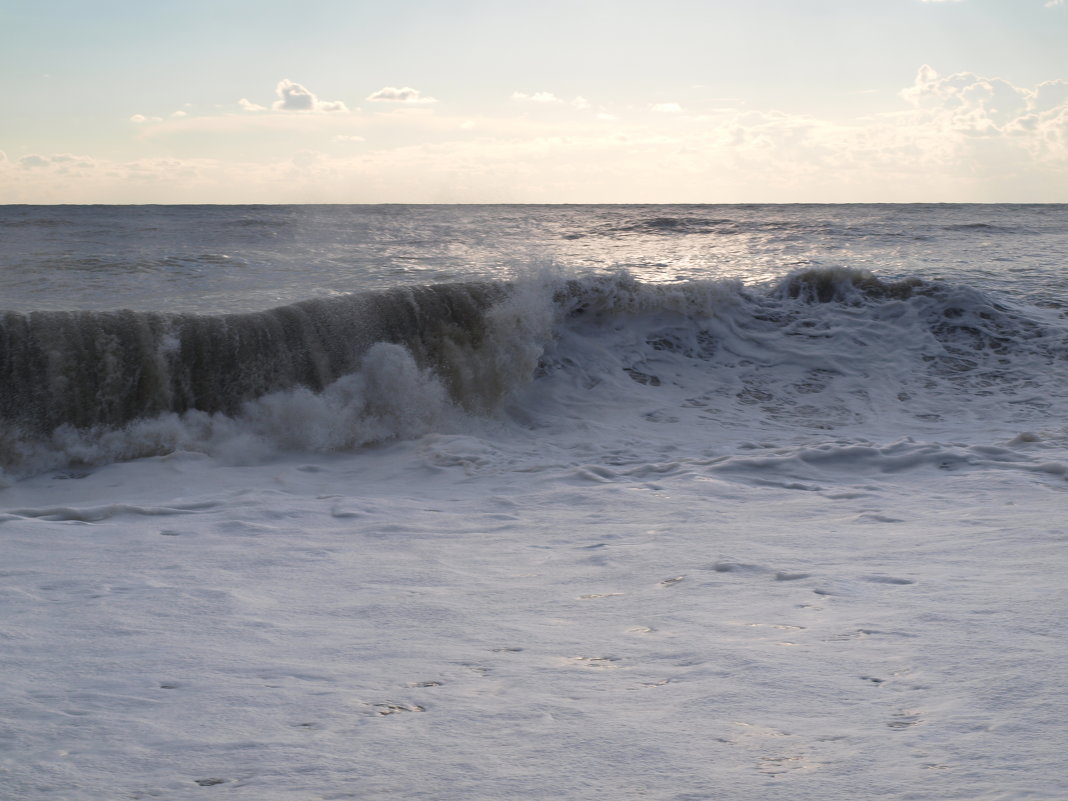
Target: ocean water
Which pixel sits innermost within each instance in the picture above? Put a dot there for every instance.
(559, 502)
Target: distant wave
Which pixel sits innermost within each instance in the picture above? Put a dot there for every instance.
(33, 222)
(677, 225)
(979, 227)
(696, 224)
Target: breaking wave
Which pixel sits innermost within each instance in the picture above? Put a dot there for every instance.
(815, 350)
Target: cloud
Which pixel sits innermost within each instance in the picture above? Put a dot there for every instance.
(1052, 3)
(59, 162)
(1050, 95)
(968, 103)
(987, 130)
(549, 99)
(956, 138)
(34, 160)
(295, 97)
(348, 138)
(140, 119)
(666, 108)
(393, 94)
(536, 97)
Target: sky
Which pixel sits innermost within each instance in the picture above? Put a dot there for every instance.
(516, 101)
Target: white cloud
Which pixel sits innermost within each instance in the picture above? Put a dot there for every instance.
(393, 94)
(248, 105)
(972, 104)
(140, 119)
(959, 137)
(580, 102)
(295, 97)
(179, 114)
(1052, 3)
(666, 108)
(536, 97)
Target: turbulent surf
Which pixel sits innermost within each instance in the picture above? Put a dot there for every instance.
(458, 502)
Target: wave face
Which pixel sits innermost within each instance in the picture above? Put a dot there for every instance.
(108, 368)
(817, 350)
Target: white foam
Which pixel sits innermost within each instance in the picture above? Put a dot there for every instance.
(456, 615)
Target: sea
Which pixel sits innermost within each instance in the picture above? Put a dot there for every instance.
(468, 502)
